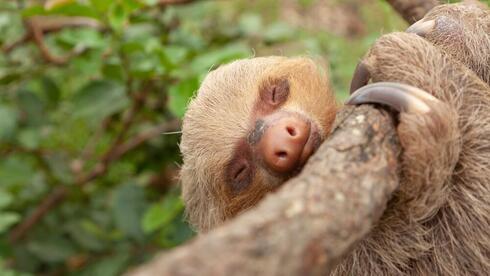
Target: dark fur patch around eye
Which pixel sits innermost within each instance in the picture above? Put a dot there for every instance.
(273, 93)
(240, 169)
(256, 134)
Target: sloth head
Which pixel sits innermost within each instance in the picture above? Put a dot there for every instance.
(252, 125)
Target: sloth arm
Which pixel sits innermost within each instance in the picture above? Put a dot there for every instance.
(437, 99)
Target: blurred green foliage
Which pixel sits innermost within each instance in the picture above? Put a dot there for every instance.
(106, 87)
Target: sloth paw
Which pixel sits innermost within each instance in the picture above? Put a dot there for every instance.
(452, 20)
(427, 127)
(460, 22)
(429, 136)
(426, 123)
(401, 97)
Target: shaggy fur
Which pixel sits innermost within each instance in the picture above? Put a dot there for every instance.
(463, 31)
(438, 221)
(219, 116)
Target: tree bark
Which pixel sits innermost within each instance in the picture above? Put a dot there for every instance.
(314, 220)
(413, 10)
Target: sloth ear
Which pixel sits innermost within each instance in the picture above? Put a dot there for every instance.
(401, 97)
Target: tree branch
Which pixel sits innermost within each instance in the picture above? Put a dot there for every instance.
(174, 2)
(55, 197)
(55, 23)
(38, 26)
(38, 38)
(413, 10)
(314, 219)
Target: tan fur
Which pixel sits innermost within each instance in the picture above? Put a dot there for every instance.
(438, 222)
(219, 115)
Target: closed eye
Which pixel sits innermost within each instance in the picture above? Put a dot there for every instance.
(275, 92)
(274, 95)
(240, 172)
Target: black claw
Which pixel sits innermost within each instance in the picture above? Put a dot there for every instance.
(401, 97)
(360, 78)
(421, 27)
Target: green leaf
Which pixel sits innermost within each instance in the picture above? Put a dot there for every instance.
(128, 207)
(150, 2)
(161, 214)
(83, 37)
(306, 3)
(33, 10)
(52, 91)
(99, 99)
(74, 9)
(15, 171)
(59, 162)
(24, 259)
(30, 138)
(278, 32)
(172, 56)
(117, 16)
(141, 37)
(113, 70)
(52, 249)
(251, 24)
(176, 54)
(10, 76)
(175, 233)
(109, 266)
(8, 121)
(132, 46)
(205, 61)
(7, 219)
(143, 67)
(180, 94)
(84, 238)
(5, 199)
(69, 9)
(101, 5)
(32, 106)
(5, 269)
(92, 227)
(131, 5)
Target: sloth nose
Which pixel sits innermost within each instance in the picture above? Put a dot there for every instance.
(283, 143)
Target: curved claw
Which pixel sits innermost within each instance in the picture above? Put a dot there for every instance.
(402, 97)
(421, 27)
(360, 78)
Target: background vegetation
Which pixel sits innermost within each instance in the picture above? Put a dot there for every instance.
(89, 115)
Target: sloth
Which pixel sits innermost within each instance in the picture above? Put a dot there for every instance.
(255, 122)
